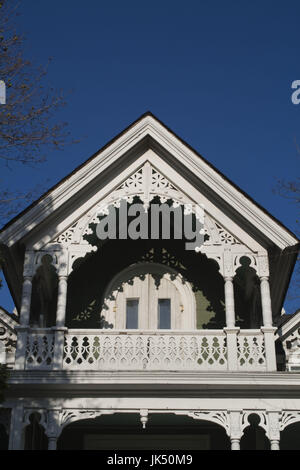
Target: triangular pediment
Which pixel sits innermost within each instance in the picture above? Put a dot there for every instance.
(59, 205)
(146, 184)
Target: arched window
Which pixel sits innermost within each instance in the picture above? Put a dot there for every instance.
(149, 296)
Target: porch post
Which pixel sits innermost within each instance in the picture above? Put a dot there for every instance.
(232, 349)
(52, 443)
(235, 444)
(26, 301)
(235, 430)
(61, 300)
(24, 323)
(53, 428)
(275, 444)
(229, 302)
(230, 330)
(60, 329)
(266, 301)
(268, 329)
(273, 429)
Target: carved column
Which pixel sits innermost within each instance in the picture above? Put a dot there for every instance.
(232, 348)
(26, 301)
(229, 302)
(266, 301)
(275, 444)
(52, 443)
(273, 429)
(235, 429)
(235, 444)
(53, 428)
(22, 330)
(59, 329)
(228, 287)
(268, 330)
(61, 300)
(230, 330)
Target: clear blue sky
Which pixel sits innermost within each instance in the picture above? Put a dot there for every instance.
(218, 73)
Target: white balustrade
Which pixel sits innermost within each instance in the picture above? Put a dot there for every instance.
(251, 350)
(39, 349)
(145, 350)
(129, 350)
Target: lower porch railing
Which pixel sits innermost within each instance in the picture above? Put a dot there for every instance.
(164, 350)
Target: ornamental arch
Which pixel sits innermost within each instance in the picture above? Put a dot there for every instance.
(163, 431)
(195, 276)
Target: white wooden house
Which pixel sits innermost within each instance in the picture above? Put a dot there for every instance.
(143, 344)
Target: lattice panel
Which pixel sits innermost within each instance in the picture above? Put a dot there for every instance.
(225, 238)
(251, 352)
(66, 237)
(159, 182)
(134, 182)
(39, 351)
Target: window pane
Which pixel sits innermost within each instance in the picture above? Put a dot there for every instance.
(132, 313)
(164, 314)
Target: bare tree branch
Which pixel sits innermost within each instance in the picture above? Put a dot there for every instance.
(28, 124)
(291, 190)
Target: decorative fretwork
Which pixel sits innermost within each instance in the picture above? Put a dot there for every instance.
(215, 234)
(289, 417)
(86, 313)
(159, 182)
(39, 350)
(161, 255)
(70, 416)
(66, 237)
(145, 184)
(218, 417)
(134, 183)
(251, 351)
(144, 352)
(263, 421)
(225, 238)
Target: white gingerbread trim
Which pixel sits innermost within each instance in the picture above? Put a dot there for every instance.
(148, 126)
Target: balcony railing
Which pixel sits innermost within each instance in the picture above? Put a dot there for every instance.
(165, 350)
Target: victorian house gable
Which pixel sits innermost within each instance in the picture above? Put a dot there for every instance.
(146, 317)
